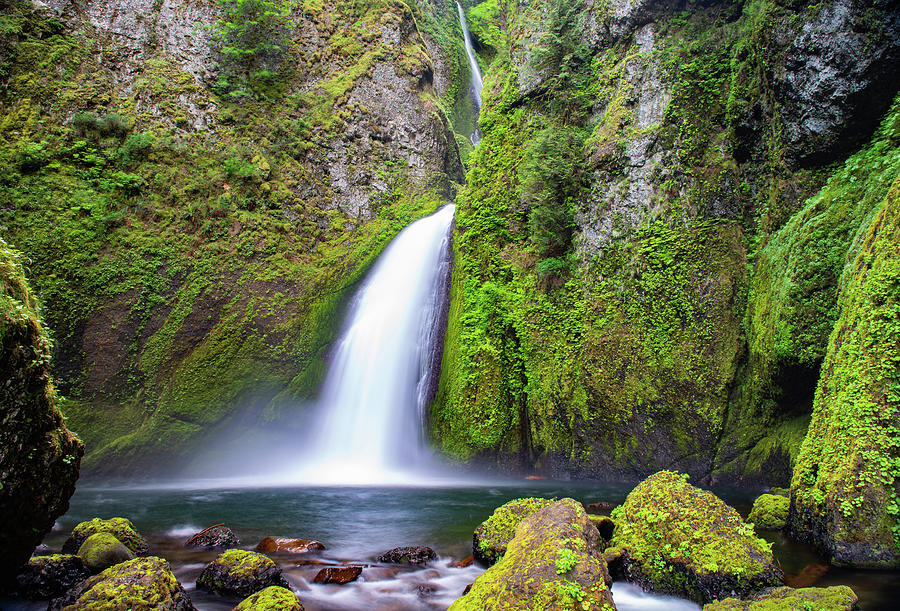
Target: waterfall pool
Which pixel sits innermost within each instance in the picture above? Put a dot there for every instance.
(358, 523)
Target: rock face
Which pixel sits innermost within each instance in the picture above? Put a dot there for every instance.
(271, 545)
(45, 577)
(273, 598)
(410, 554)
(769, 512)
(835, 598)
(554, 561)
(219, 537)
(120, 528)
(493, 535)
(141, 584)
(39, 457)
(338, 574)
(102, 550)
(678, 539)
(240, 573)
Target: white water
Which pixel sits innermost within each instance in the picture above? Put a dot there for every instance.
(475, 79)
(371, 409)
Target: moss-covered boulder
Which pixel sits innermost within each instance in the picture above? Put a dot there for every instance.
(770, 511)
(102, 550)
(140, 584)
(554, 561)
(681, 540)
(45, 577)
(835, 598)
(273, 598)
(494, 534)
(39, 457)
(120, 528)
(238, 572)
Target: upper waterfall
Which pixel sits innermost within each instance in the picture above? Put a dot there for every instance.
(476, 83)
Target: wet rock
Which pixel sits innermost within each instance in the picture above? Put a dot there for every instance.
(120, 528)
(600, 507)
(416, 554)
(678, 539)
(426, 590)
(101, 551)
(45, 577)
(835, 598)
(241, 573)
(140, 584)
(216, 537)
(338, 574)
(770, 512)
(554, 558)
(273, 545)
(273, 598)
(494, 534)
(465, 562)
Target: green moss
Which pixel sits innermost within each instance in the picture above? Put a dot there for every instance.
(834, 598)
(102, 550)
(139, 584)
(119, 528)
(243, 563)
(494, 534)
(769, 512)
(273, 598)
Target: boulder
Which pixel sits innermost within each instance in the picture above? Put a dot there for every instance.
(677, 539)
(605, 525)
(338, 574)
(554, 561)
(415, 554)
(600, 506)
(238, 572)
(120, 528)
(216, 537)
(45, 577)
(835, 598)
(273, 545)
(140, 584)
(273, 598)
(494, 534)
(770, 511)
(39, 457)
(101, 551)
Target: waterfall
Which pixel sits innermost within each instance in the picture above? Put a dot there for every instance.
(384, 367)
(475, 78)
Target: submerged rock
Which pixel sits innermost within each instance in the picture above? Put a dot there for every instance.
(273, 598)
(494, 534)
(273, 545)
(137, 585)
(102, 550)
(835, 598)
(416, 554)
(338, 574)
(770, 511)
(45, 577)
(678, 539)
(121, 528)
(238, 572)
(554, 561)
(218, 536)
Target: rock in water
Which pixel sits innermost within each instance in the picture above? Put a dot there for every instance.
(494, 534)
(770, 511)
(101, 551)
(271, 545)
(238, 572)
(273, 598)
(215, 537)
(45, 577)
(338, 574)
(415, 554)
(681, 540)
(835, 598)
(141, 584)
(120, 528)
(39, 457)
(554, 561)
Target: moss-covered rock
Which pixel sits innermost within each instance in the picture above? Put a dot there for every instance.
(273, 598)
(140, 584)
(240, 573)
(554, 561)
(50, 576)
(835, 598)
(102, 550)
(770, 511)
(681, 540)
(120, 528)
(494, 534)
(39, 457)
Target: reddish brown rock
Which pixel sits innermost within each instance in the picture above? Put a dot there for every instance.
(275, 545)
(465, 562)
(338, 574)
(600, 506)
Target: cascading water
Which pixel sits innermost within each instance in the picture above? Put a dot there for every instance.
(475, 72)
(383, 370)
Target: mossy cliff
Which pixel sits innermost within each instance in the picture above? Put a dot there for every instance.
(637, 284)
(39, 457)
(194, 229)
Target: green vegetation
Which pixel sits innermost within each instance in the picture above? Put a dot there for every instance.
(834, 598)
(273, 598)
(140, 584)
(769, 512)
(120, 528)
(102, 550)
(494, 534)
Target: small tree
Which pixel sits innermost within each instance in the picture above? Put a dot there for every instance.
(253, 37)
